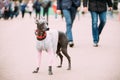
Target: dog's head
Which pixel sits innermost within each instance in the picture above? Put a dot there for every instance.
(42, 24)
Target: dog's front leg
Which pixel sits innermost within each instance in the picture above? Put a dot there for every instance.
(39, 62)
(51, 58)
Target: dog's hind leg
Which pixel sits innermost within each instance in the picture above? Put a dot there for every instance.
(60, 55)
(64, 51)
(61, 60)
(50, 70)
(63, 43)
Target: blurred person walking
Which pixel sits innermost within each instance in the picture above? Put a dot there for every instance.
(30, 7)
(22, 7)
(1, 8)
(16, 9)
(69, 9)
(6, 14)
(97, 8)
(11, 9)
(115, 4)
(54, 7)
(46, 4)
(37, 7)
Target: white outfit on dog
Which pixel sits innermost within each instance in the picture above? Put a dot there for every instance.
(49, 44)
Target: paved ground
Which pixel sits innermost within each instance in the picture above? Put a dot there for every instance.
(18, 54)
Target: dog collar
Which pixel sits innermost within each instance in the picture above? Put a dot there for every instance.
(40, 37)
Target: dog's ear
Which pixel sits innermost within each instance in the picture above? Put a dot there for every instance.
(42, 18)
(36, 20)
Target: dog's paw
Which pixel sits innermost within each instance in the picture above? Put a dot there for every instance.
(35, 72)
(59, 66)
(50, 73)
(69, 68)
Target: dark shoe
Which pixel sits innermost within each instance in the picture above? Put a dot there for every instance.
(95, 45)
(36, 71)
(71, 44)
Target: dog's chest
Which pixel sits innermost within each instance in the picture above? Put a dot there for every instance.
(50, 42)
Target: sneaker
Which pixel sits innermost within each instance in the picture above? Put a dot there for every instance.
(71, 44)
(95, 45)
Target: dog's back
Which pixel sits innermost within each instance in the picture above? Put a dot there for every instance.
(62, 37)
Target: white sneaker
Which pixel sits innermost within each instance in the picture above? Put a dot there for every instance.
(71, 44)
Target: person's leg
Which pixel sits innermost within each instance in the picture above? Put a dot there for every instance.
(73, 14)
(11, 14)
(5, 14)
(16, 13)
(30, 13)
(102, 17)
(44, 11)
(22, 14)
(67, 16)
(94, 16)
(47, 13)
(36, 12)
(39, 14)
(73, 11)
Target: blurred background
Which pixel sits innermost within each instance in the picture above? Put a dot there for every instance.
(12, 8)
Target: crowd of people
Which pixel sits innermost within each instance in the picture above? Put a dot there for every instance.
(9, 9)
(12, 8)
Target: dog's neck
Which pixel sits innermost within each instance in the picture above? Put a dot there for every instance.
(40, 35)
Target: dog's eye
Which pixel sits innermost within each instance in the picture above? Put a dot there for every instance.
(41, 26)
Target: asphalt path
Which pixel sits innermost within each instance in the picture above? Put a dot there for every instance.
(18, 54)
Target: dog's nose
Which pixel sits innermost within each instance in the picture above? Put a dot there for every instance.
(48, 29)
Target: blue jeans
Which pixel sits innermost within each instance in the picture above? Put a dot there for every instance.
(97, 29)
(69, 15)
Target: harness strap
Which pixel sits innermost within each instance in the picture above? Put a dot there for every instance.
(40, 37)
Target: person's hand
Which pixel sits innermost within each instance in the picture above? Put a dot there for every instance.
(59, 12)
(78, 9)
(110, 8)
(85, 9)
